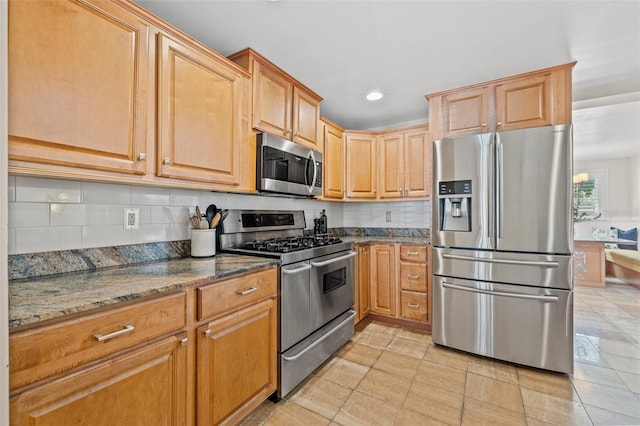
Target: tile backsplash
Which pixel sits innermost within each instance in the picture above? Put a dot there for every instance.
(54, 214)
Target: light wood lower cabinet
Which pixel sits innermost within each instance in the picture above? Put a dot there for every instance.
(383, 280)
(362, 304)
(400, 286)
(237, 361)
(205, 355)
(145, 386)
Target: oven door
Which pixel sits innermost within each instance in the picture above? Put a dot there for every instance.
(332, 287)
(294, 303)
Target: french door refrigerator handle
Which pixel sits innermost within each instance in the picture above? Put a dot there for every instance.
(544, 263)
(553, 299)
(499, 187)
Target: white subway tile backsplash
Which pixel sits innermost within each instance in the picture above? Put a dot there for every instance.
(171, 214)
(184, 197)
(35, 240)
(11, 188)
(150, 233)
(105, 236)
(11, 240)
(105, 193)
(28, 215)
(78, 214)
(32, 189)
(150, 196)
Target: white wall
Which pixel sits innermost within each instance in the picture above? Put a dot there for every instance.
(622, 194)
(4, 287)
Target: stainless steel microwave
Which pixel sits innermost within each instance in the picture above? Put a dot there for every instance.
(286, 167)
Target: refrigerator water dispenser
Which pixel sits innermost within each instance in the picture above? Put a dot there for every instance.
(454, 206)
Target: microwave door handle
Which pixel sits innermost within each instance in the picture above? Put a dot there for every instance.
(311, 159)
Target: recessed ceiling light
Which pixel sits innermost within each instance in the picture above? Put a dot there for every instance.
(374, 96)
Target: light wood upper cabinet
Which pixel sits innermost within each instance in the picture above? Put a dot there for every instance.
(466, 111)
(523, 103)
(361, 165)
(282, 105)
(404, 159)
(201, 133)
(333, 160)
(391, 155)
(533, 99)
(79, 87)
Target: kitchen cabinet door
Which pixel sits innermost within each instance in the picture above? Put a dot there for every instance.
(79, 85)
(466, 111)
(362, 286)
(361, 166)
(523, 103)
(333, 161)
(383, 280)
(272, 101)
(236, 363)
(202, 105)
(391, 160)
(146, 386)
(417, 164)
(306, 119)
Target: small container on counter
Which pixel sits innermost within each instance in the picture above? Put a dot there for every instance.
(203, 242)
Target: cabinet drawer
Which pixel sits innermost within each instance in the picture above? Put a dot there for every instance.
(413, 253)
(226, 295)
(413, 276)
(42, 352)
(413, 306)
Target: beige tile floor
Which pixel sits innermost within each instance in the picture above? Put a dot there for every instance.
(388, 375)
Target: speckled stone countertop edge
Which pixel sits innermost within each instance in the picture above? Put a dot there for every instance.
(52, 297)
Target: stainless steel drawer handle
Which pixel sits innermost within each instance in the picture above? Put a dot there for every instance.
(320, 340)
(413, 277)
(335, 259)
(501, 293)
(128, 328)
(295, 271)
(413, 305)
(413, 253)
(247, 291)
(545, 263)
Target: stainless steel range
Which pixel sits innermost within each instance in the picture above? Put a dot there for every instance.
(316, 286)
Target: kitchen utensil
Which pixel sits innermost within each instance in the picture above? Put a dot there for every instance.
(211, 212)
(203, 223)
(223, 214)
(215, 220)
(194, 220)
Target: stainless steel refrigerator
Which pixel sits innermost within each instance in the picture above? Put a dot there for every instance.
(502, 236)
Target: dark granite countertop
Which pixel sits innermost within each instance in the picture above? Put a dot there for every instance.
(375, 239)
(54, 296)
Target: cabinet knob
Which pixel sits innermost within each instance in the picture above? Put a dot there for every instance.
(374, 191)
(142, 156)
(297, 134)
(289, 131)
(184, 341)
(207, 333)
(167, 160)
(484, 124)
(499, 123)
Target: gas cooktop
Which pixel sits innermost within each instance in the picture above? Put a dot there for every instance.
(289, 244)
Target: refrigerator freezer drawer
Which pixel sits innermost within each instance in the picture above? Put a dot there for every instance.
(538, 270)
(524, 325)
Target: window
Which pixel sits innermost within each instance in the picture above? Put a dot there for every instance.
(585, 196)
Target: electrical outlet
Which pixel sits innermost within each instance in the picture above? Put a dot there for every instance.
(388, 216)
(131, 217)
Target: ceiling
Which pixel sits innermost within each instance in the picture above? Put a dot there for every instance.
(407, 49)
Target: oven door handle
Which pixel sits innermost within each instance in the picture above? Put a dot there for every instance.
(335, 259)
(320, 340)
(297, 270)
